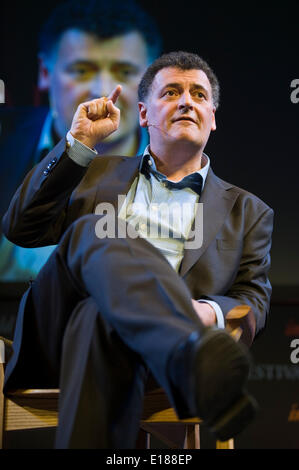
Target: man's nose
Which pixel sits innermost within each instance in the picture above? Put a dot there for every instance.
(102, 85)
(185, 101)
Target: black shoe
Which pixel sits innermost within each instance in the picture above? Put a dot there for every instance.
(209, 372)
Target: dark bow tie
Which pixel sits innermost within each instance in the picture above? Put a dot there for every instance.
(193, 181)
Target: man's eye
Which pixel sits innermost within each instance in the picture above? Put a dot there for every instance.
(125, 73)
(201, 95)
(81, 72)
(169, 93)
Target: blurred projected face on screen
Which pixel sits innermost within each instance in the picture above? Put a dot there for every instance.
(84, 67)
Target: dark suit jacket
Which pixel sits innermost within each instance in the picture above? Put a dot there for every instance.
(230, 267)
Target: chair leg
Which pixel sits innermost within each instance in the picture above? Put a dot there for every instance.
(143, 439)
(148, 440)
(2, 360)
(192, 437)
(225, 444)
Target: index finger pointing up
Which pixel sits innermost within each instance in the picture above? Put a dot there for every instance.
(115, 94)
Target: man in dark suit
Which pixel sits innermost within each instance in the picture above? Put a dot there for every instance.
(115, 300)
(85, 49)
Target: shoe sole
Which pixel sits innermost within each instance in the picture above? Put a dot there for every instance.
(235, 419)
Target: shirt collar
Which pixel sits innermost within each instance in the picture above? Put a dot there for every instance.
(203, 171)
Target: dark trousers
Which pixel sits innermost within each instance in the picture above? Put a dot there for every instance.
(103, 313)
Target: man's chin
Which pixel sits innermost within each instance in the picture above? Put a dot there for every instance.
(187, 139)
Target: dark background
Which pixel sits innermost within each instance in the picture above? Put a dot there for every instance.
(254, 49)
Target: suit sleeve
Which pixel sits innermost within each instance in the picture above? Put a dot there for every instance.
(251, 285)
(37, 212)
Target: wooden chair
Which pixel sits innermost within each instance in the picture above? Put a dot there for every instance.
(32, 408)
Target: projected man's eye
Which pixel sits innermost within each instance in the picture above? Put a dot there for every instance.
(124, 72)
(81, 71)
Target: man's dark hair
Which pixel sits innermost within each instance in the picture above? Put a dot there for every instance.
(181, 60)
(102, 18)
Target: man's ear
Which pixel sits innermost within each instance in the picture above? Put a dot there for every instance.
(213, 128)
(142, 114)
(43, 82)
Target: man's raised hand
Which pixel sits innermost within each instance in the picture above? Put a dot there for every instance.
(95, 120)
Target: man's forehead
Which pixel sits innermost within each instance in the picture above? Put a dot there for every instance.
(170, 75)
(79, 45)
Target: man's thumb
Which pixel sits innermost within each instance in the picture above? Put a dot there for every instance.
(114, 112)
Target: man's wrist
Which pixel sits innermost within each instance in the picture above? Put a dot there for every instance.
(78, 151)
(88, 143)
(218, 312)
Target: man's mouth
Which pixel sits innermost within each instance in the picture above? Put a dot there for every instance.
(185, 118)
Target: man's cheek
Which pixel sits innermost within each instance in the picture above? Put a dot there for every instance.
(73, 90)
(77, 96)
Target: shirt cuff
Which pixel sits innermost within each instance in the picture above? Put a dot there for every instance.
(218, 311)
(78, 152)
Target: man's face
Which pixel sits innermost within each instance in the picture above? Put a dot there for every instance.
(83, 68)
(179, 107)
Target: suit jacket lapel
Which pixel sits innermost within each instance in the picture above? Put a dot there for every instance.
(218, 198)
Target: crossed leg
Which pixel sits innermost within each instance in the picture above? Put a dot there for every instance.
(102, 313)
